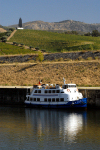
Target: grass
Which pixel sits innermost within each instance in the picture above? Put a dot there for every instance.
(7, 49)
(56, 42)
(81, 73)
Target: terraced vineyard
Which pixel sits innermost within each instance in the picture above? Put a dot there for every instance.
(9, 49)
(56, 42)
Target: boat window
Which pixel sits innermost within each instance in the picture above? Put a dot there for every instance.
(53, 91)
(57, 99)
(58, 91)
(45, 91)
(49, 99)
(71, 85)
(34, 99)
(45, 99)
(53, 99)
(39, 91)
(65, 86)
(49, 91)
(30, 99)
(35, 91)
(38, 99)
(62, 91)
(61, 99)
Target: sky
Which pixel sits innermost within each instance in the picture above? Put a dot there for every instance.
(87, 11)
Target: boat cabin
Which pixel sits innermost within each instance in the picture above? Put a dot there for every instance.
(65, 86)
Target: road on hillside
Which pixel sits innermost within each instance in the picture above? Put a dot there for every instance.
(11, 35)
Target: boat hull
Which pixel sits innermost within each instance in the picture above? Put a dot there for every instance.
(82, 103)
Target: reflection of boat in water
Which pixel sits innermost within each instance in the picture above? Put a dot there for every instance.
(49, 96)
(62, 124)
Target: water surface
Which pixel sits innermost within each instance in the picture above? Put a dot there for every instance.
(25, 128)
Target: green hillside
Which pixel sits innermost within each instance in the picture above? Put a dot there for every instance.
(7, 49)
(55, 42)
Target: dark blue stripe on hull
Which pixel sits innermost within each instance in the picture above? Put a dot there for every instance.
(71, 104)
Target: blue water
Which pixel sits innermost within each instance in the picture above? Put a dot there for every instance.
(35, 129)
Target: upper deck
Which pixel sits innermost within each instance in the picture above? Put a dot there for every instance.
(56, 86)
(46, 86)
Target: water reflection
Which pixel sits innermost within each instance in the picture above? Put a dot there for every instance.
(49, 129)
(62, 124)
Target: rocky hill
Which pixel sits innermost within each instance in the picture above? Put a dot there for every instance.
(2, 29)
(68, 25)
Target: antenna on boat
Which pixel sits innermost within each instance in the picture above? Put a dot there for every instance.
(64, 80)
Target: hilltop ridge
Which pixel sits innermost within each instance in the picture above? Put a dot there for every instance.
(67, 25)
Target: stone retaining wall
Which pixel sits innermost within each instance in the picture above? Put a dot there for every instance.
(93, 96)
(72, 55)
(17, 96)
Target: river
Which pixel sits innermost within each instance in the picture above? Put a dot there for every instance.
(35, 129)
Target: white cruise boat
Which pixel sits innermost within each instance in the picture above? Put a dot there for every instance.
(54, 96)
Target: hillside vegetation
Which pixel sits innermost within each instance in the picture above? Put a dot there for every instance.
(8, 49)
(83, 73)
(56, 42)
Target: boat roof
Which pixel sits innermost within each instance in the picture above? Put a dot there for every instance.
(70, 84)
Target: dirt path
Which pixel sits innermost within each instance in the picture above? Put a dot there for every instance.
(11, 35)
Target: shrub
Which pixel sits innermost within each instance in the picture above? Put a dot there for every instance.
(31, 47)
(40, 57)
(60, 59)
(89, 58)
(31, 61)
(11, 29)
(17, 43)
(43, 50)
(22, 44)
(14, 43)
(63, 50)
(68, 59)
(37, 48)
(3, 34)
(87, 34)
(80, 58)
(8, 34)
(80, 48)
(96, 58)
(55, 59)
(4, 38)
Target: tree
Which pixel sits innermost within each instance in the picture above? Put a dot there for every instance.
(11, 29)
(95, 33)
(4, 38)
(20, 23)
(87, 34)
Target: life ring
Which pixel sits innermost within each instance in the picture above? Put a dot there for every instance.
(68, 90)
